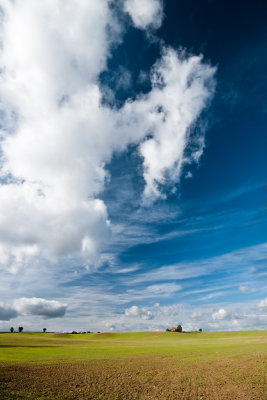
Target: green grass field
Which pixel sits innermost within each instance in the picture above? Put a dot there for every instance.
(58, 347)
(145, 365)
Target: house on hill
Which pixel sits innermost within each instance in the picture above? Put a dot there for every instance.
(175, 329)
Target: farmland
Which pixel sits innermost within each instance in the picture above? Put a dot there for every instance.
(145, 365)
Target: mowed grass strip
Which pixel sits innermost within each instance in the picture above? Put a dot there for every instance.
(134, 366)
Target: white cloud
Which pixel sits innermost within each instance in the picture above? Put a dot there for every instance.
(132, 311)
(57, 136)
(188, 175)
(221, 314)
(145, 13)
(263, 303)
(237, 317)
(7, 312)
(32, 307)
(138, 312)
(163, 289)
(186, 270)
(52, 157)
(243, 289)
(41, 307)
(197, 315)
(181, 89)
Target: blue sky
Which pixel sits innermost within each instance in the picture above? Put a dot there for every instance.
(133, 165)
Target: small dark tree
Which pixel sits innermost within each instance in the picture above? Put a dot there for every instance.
(44, 330)
(179, 328)
(20, 329)
(200, 330)
(167, 330)
(11, 329)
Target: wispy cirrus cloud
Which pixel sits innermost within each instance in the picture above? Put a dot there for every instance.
(99, 302)
(245, 257)
(243, 289)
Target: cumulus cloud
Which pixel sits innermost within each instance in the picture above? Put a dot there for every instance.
(57, 136)
(52, 158)
(145, 13)
(41, 307)
(139, 312)
(237, 317)
(32, 306)
(221, 314)
(263, 303)
(7, 312)
(181, 89)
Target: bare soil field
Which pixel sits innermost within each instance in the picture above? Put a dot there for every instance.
(140, 377)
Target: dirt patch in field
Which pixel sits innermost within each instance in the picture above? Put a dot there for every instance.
(138, 378)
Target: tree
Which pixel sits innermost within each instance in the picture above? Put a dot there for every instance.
(179, 328)
(200, 330)
(44, 330)
(20, 329)
(11, 329)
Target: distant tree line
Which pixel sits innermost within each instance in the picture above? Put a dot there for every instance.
(20, 329)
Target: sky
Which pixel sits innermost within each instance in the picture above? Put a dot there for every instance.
(133, 165)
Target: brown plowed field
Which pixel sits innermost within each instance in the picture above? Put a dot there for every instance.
(138, 378)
